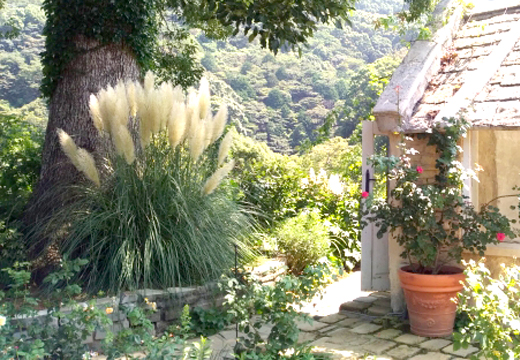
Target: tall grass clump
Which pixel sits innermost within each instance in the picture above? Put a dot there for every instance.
(152, 213)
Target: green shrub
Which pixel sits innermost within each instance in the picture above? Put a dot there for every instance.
(304, 240)
(20, 159)
(12, 250)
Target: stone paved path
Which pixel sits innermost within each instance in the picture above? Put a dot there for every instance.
(359, 329)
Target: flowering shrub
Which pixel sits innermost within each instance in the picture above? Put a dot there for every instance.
(151, 213)
(492, 307)
(434, 222)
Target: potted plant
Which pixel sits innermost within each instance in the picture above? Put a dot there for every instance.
(434, 223)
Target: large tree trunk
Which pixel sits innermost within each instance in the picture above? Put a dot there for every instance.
(96, 66)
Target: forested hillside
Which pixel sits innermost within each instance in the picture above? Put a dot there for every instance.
(280, 99)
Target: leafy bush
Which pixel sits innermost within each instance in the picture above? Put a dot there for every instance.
(12, 250)
(156, 218)
(253, 306)
(492, 307)
(304, 240)
(279, 187)
(20, 160)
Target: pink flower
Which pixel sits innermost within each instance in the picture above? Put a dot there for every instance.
(420, 169)
(364, 194)
(397, 88)
(501, 236)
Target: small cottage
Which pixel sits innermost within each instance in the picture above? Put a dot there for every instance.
(470, 67)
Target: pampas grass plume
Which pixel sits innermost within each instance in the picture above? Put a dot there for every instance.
(149, 81)
(214, 181)
(87, 166)
(204, 99)
(219, 122)
(177, 124)
(69, 147)
(197, 138)
(225, 146)
(123, 143)
(154, 104)
(131, 95)
(166, 99)
(95, 112)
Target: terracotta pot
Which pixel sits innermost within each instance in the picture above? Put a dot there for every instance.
(430, 300)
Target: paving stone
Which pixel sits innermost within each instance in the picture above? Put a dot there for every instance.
(431, 356)
(331, 319)
(366, 328)
(402, 352)
(354, 306)
(461, 352)
(328, 328)
(378, 346)
(410, 339)
(383, 302)
(314, 326)
(366, 299)
(388, 333)
(347, 339)
(381, 295)
(349, 322)
(379, 310)
(307, 337)
(435, 344)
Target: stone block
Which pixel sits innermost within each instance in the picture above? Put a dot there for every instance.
(379, 346)
(435, 344)
(129, 297)
(161, 326)
(349, 322)
(100, 334)
(366, 328)
(461, 352)
(366, 299)
(402, 352)
(379, 310)
(155, 317)
(431, 356)
(384, 302)
(381, 295)
(328, 328)
(313, 326)
(331, 319)
(410, 339)
(354, 306)
(388, 333)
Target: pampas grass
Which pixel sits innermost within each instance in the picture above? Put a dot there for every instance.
(214, 181)
(87, 166)
(220, 123)
(225, 146)
(158, 217)
(177, 124)
(96, 113)
(79, 157)
(69, 147)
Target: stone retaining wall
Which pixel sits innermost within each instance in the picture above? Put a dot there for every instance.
(168, 303)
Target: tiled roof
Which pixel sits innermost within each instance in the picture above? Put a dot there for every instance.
(498, 103)
(481, 59)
